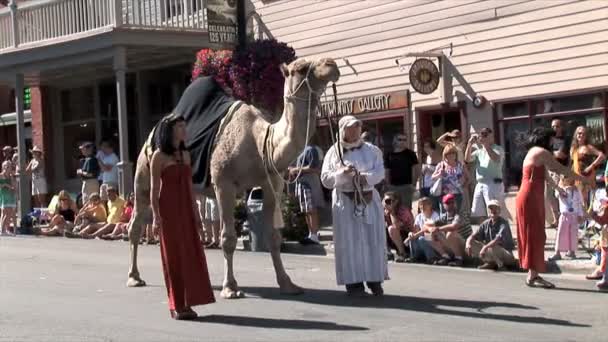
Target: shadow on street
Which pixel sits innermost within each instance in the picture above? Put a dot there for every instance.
(419, 304)
(277, 323)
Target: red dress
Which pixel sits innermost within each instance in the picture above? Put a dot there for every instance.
(184, 264)
(530, 209)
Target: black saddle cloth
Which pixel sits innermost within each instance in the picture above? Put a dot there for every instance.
(203, 105)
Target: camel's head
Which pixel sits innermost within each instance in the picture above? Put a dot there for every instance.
(318, 73)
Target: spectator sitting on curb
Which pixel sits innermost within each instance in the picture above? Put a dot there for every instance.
(121, 228)
(492, 242)
(64, 215)
(92, 212)
(399, 222)
(115, 206)
(449, 233)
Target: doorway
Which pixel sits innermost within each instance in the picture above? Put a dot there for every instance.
(433, 123)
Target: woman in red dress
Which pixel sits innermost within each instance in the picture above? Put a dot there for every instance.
(174, 210)
(530, 204)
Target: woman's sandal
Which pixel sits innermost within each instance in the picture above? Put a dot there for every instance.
(593, 276)
(539, 282)
(187, 314)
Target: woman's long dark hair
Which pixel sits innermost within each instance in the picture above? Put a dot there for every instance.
(541, 137)
(165, 135)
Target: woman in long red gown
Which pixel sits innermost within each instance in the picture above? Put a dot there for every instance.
(530, 204)
(174, 209)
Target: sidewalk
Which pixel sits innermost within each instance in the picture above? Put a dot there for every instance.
(581, 265)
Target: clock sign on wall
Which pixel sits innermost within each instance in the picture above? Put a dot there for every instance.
(424, 76)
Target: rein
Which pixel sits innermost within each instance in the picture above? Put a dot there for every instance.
(359, 201)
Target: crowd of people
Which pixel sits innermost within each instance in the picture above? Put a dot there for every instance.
(461, 184)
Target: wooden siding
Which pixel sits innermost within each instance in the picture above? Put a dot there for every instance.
(502, 48)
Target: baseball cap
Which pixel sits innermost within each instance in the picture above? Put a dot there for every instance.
(493, 203)
(447, 198)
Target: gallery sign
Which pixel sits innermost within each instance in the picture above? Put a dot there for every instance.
(222, 21)
(363, 104)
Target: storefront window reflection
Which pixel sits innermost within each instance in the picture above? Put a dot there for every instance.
(515, 149)
(574, 110)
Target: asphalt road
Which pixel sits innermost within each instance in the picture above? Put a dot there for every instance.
(55, 289)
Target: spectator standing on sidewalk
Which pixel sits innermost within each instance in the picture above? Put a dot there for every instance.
(488, 159)
(107, 160)
(431, 159)
(586, 158)
(560, 146)
(454, 176)
(308, 190)
(358, 220)
(492, 242)
(401, 170)
(88, 172)
(35, 168)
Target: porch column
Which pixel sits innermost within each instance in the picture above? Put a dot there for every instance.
(125, 167)
(14, 22)
(24, 195)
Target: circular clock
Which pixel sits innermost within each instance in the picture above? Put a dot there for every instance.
(424, 76)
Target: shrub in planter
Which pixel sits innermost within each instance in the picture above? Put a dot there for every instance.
(295, 222)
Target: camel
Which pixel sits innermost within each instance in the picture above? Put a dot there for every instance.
(249, 152)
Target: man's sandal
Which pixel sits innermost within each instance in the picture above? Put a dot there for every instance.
(539, 282)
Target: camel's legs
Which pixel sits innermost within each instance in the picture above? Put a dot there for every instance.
(136, 228)
(141, 214)
(274, 239)
(226, 197)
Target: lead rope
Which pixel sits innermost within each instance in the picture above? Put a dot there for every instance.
(359, 202)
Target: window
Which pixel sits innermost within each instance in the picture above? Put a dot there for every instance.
(77, 104)
(516, 121)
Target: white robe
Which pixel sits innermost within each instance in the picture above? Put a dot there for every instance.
(359, 241)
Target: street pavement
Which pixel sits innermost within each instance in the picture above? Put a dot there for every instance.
(56, 289)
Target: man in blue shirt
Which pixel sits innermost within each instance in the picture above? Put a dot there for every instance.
(308, 190)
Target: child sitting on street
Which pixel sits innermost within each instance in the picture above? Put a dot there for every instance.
(419, 239)
(571, 215)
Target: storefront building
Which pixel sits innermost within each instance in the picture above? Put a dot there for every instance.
(506, 65)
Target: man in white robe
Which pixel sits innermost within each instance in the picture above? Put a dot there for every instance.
(359, 232)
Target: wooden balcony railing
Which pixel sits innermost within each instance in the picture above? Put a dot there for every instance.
(57, 19)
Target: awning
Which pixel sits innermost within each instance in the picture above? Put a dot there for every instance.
(11, 118)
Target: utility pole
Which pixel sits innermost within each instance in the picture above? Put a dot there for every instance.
(241, 22)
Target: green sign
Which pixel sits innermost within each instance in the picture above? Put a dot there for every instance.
(27, 98)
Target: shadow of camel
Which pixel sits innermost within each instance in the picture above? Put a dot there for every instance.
(418, 304)
(270, 323)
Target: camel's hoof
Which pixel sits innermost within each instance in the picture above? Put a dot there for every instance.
(228, 293)
(135, 282)
(291, 289)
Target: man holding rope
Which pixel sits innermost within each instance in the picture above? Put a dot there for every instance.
(351, 168)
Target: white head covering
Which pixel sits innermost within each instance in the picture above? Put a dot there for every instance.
(348, 121)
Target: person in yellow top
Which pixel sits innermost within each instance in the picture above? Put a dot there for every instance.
(116, 205)
(92, 213)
